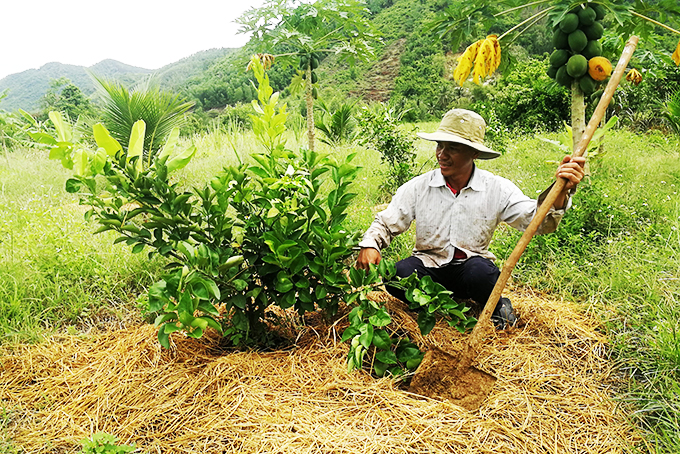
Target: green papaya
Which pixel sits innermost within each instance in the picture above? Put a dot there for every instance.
(577, 66)
(315, 61)
(551, 72)
(559, 57)
(587, 84)
(315, 92)
(577, 40)
(595, 31)
(593, 49)
(600, 11)
(563, 78)
(314, 78)
(304, 61)
(569, 23)
(560, 40)
(586, 17)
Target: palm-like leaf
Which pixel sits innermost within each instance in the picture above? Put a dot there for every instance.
(161, 111)
(672, 111)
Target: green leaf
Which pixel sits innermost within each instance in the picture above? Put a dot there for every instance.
(386, 357)
(366, 337)
(180, 161)
(381, 318)
(240, 321)
(380, 368)
(63, 129)
(426, 322)
(105, 141)
(136, 145)
(349, 333)
(170, 144)
(381, 339)
(137, 248)
(73, 185)
(283, 282)
(163, 338)
(164, 318)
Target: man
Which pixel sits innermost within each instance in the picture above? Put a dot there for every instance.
(457, 207)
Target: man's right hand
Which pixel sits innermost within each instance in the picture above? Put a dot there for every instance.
(368, 255)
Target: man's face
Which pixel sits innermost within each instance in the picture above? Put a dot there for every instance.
(454, 157)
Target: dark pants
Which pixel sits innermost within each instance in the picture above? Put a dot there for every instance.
(472, 279)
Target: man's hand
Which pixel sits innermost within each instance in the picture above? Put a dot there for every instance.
(368, 255)
(571, 169)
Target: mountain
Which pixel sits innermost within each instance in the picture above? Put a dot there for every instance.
(25, 89)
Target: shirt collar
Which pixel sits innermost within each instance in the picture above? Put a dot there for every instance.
(476, 182)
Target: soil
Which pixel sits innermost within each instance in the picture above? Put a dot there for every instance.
(441, 376)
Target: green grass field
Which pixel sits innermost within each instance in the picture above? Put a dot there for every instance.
(617, 253)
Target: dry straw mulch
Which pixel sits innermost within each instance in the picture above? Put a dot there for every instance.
(553, 394)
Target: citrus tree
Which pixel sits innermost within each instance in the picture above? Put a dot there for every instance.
(578, 27)
(311, 31)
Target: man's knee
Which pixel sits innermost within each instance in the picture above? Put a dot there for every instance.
(480, 273)
(410, 265)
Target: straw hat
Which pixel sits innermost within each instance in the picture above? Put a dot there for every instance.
(462, 126)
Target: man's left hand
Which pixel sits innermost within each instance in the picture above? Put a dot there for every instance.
(571, 169)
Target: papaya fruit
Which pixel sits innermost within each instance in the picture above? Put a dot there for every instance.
(314, 77)
(563, 78)
(594, 31)
(577, 40)
(599, 68)
(587, 84)
(577, 66)
(569, 23)
(551, 72)
(600, 11)
(314, 61)
(559, 57)
(593, 49)
(315, 92)
(586, 16)
(560, 40)
(304, 61)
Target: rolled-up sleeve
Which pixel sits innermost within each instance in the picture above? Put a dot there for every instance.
(394, 220)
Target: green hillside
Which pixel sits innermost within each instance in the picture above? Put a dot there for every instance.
(25, 89)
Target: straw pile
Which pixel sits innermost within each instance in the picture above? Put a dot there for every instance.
(552, 394)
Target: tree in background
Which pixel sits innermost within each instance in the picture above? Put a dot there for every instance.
(64, 96)
(312, 31)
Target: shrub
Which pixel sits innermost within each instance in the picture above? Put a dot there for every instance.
(381, 130)
(256, 235)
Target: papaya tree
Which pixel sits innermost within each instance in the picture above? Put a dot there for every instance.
(311, 31)
(577, 26)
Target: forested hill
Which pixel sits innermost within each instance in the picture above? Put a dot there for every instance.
(25, 89)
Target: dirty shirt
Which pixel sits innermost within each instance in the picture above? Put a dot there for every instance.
(449, 224)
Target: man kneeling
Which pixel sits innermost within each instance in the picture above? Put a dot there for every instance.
(457, 208)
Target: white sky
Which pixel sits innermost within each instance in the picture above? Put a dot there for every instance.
(144, 33)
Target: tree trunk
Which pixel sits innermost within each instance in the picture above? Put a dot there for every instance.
(310, 106)
(578, 117)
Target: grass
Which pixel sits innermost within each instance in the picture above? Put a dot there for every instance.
(617, 252)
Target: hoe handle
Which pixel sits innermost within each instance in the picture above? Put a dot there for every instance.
(484, 318)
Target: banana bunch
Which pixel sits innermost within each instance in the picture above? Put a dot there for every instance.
(267, 61)
(484, 55)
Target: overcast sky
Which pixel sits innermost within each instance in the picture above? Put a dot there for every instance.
(144, 33)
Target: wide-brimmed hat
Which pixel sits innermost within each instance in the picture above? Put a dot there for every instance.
(462, 126)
